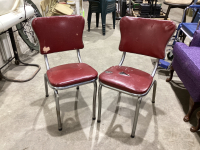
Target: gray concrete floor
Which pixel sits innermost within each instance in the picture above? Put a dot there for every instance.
(28, 119)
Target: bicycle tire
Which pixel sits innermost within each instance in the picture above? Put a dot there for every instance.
(20, 27)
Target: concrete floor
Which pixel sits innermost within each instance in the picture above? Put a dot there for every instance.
(28, 119)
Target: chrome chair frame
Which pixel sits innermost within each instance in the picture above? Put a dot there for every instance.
(46, 81)
(154, 83)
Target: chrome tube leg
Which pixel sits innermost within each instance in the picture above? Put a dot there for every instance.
(99, 103)
(94, 100)
(58, 110)
(136, 117)
(154, 91)
(46, 86)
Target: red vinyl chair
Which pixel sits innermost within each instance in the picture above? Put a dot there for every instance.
(63, 33)
(141, 36)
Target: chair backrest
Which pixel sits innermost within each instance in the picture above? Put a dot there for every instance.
(61, 33)
(145, 36)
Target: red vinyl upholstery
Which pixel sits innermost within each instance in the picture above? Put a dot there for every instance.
(59, 33)
(70, 74)
(130, 80)
(145, 36)
(141, 36)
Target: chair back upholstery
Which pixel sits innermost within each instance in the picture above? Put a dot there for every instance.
(61, 33)
(145, 36)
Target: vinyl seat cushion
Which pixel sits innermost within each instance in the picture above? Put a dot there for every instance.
(178, 2)
(127, 79)
(70, 74)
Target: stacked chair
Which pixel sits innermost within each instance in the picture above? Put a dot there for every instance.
(176, 4)
(102, 7)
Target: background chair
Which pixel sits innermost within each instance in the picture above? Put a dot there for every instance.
(187, 66)
(104, 7)
(57, 34)
(188, 28)
(176, 4)
(136, 37)
(184, 29)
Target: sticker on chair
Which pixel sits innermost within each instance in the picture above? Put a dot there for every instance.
(46, 49)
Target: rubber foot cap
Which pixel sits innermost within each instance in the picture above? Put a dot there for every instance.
(132, 136)
(98, 121)
(47, 95)
(153, 102)
(93, 118)
(60, 129)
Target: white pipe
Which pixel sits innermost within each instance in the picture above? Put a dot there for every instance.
(9, 20)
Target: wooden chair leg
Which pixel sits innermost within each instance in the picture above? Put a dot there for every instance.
(195, 129)
(192, 107)
(171, 74)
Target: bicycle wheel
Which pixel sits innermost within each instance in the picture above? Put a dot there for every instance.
(25, 29)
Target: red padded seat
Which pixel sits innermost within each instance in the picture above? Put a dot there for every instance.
(70, 74)
(127, 79)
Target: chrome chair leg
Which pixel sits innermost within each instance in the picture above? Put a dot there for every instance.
(94, 100)
(136, 117)
(46, 86)
(154, 91)
(99, 103)
(58, 110)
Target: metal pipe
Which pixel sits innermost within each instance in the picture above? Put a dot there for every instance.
(70, 86)
(131, 94)
(184, 13)
(155, 68)
(94, 100)
(136, 117)
(79, 56)
(122, 59)
(58, 110)
(46, 62)
(99, 103)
